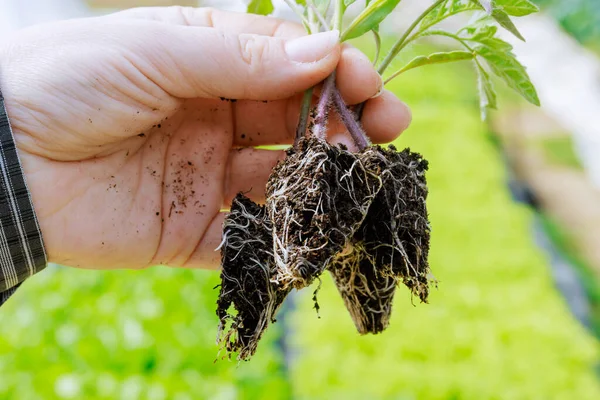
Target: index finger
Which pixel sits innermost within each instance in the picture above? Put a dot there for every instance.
(233, 22)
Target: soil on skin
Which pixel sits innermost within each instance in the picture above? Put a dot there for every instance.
(362, 216)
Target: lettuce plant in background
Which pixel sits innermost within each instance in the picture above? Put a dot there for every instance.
(581, 18)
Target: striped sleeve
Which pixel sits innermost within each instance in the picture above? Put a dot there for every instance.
(22, 251)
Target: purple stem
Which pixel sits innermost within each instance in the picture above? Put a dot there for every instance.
(349, 119)
(320, 121)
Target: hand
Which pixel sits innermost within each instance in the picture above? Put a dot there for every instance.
(129, 153)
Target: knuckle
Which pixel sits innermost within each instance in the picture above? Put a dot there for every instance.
(254, 51)
(183, 14)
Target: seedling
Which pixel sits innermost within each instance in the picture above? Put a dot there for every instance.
(362, 215)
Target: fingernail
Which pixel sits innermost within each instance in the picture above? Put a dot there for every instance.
(381, 88)
(312, 48)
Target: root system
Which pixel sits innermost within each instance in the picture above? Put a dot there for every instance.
(362, 216)
(316, 199)
(246, 279)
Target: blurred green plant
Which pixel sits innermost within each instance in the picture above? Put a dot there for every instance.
(581, 18)
(559, 151)
(74, 334)
(565, 243)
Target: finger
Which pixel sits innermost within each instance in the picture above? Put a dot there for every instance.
(356, 79)
(272, 123)
(248, 171)
(232, 22)
(206, 254)
(385, 117)
(191, 62)
(342, 138)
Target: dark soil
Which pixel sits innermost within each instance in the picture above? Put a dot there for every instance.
(367, 292)
(362, 216)
(396, 230)
(316, 199)
(391, 245)
(246, 279)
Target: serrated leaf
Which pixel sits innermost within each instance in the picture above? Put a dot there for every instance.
(487, 5)
(517, 8)
(486, 36)
(447, 9)
(261, 7)
(487, 93)
(435, 58)
(370, 17)
(505, 65)
(504, 20)
(481, 31)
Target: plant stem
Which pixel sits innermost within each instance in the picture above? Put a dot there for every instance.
(297, 11)
(312, 21)
(320, 126)
(452, 36)
(399, 45)
(338, 15)
(304, 110)
(313, 10)
(377, 46)
(358, 135)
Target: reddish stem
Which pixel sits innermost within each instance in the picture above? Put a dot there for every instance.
(349, 119)
(320, 121)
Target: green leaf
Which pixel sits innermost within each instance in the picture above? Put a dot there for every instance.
(505, 65)
(486, 35)
(347, 3)
(504, 20)
(370, 17)
(517, 8)
(487, 93)
(447, 9)
(262, 7)
(487, 5)
(435, 58)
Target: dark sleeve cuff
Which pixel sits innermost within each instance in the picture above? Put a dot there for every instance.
(22, 251)
(4, 296)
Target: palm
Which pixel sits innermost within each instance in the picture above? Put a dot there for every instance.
(152, 196)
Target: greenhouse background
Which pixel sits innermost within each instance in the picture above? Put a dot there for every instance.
(515, 211)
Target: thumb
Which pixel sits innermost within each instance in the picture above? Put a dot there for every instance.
(207, 62)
